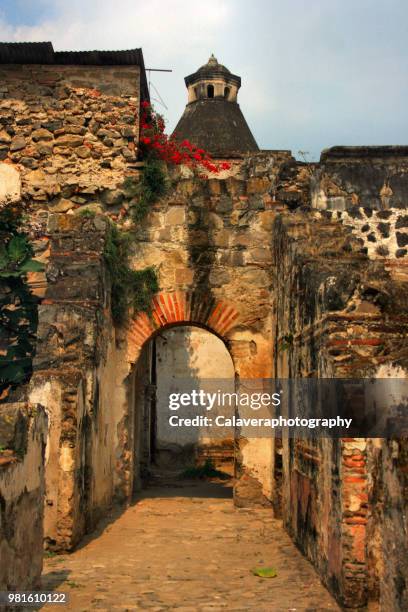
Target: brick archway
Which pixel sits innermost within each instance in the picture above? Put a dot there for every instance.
(180, 307)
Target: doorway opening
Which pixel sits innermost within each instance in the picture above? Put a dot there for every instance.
(175, 361)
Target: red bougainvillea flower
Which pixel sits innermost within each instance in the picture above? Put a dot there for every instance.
(155, 141)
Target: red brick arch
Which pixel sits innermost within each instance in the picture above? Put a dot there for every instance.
(176, 308)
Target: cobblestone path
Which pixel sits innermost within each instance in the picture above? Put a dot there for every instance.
(185, 547)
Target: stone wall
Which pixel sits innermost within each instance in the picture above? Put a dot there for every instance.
(68, 141)
(369, 177)
(23, 435)
(343, 315)
(210, 241)
(71, 132)
(393, 523)
(74, 375)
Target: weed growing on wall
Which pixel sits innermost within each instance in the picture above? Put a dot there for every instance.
(132, 290)
(152, 185)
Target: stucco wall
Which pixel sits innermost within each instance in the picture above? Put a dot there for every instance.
(23, 430)
(188, 356)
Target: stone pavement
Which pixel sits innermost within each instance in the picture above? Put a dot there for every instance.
(185, 547)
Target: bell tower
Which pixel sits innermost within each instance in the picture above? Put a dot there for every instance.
(212, 118)
(213, 80)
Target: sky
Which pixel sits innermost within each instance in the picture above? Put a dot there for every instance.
(315, 73)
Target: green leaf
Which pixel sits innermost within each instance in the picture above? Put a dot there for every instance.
(16, 351)
(4, 260)
(13, 316)
(31, 265)
(9, 274)
(12, 373)
(18, 248)
(264, 572)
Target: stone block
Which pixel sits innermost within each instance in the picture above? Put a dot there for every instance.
(222, 238)
(112, 197)
(219, 277)
(183, 276)
(63, 205)
(44, 149)
(267, 219)
(175, 216)
(258, 185)
(214, 186)
(18, 143)
(5, 138)
(259, 255)
(69, 140)
(83, 152)
(41, 134)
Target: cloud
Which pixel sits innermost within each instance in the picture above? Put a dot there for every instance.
(162, 27)
(313, 74)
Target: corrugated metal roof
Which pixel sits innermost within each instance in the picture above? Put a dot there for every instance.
(26, 53)
(132, 57)
(43, 53)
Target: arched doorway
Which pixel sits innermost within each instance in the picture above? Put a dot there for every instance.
(177, 360)
(251, 353)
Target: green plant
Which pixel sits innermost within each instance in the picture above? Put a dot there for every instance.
(152, 185)
(132, 290)
(285, 343)
(49, 554)
(16, 257)
(206, 470)
(87, 213)
(18, 306)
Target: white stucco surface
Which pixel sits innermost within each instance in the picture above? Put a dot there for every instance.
(10, 184)
(189, 357)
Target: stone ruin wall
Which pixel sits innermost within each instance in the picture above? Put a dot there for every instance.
(242, 254)
(23, 431)
(347, 314)
(210, 242)
(70, 132)
(367, 177)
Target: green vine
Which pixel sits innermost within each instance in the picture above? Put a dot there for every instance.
(152, 185)
(18, 306)
(132, 290)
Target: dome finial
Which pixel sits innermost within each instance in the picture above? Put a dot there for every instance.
(213, 60)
